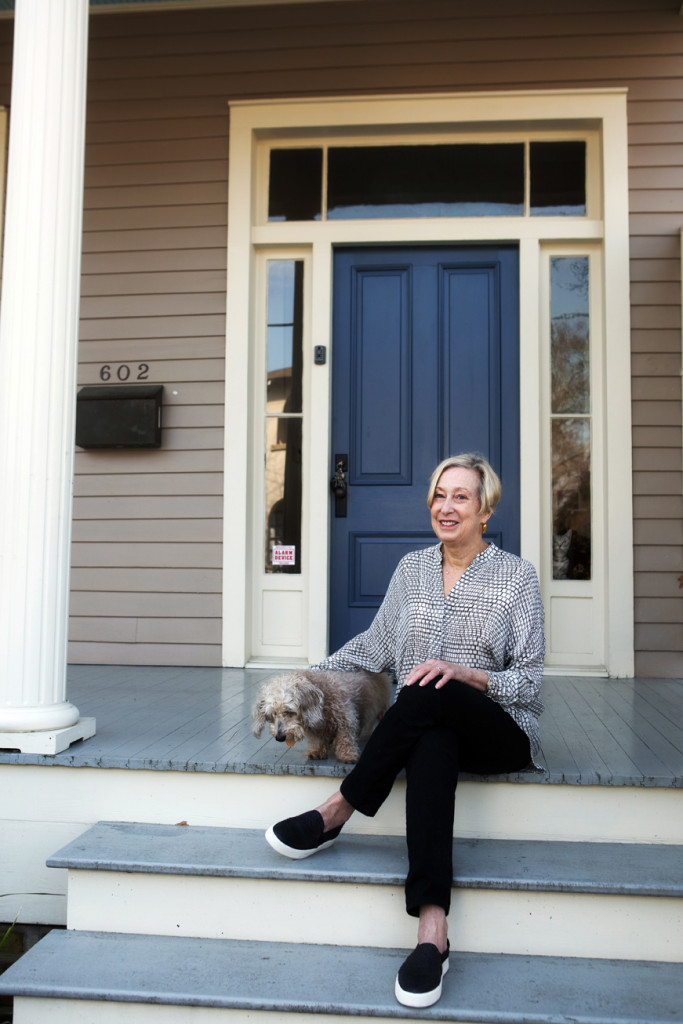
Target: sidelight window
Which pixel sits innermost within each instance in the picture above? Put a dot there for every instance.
(570, 417)
(283, 416)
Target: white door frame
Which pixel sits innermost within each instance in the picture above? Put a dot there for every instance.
(252, 125)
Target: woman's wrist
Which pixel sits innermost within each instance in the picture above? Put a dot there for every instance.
(477, 678)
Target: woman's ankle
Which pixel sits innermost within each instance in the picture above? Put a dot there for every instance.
(335, 811)
(433, 927)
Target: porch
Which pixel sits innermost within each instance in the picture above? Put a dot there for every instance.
(569, 868)
(595, 732)
(175, 745)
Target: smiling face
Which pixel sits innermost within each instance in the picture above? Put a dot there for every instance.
(455, 511)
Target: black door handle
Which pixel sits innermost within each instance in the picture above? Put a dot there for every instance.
(339, 485)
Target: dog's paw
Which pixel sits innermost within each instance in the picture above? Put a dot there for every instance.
(347, 753)
(317, 753)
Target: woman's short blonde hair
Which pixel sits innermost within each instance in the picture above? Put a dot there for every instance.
(489, 483)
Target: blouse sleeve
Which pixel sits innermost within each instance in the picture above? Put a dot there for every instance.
(375, 649)
(519, 682)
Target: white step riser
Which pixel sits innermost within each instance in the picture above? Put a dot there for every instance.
(84, 1011)
(481, 920)
(45, 810)
(628, 814)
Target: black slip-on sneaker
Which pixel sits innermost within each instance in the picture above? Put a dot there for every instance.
(301, 836)
(419, 980)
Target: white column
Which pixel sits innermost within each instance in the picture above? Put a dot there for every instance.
(39, 315)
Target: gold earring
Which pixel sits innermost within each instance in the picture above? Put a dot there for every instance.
(483, 527)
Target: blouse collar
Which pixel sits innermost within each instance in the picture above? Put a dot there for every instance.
(483, 555)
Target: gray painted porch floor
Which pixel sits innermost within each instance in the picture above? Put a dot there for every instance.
(594, 731)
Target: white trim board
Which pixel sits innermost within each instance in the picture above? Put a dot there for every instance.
(599, 113)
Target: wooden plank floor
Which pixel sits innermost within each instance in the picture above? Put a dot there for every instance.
(594, 731)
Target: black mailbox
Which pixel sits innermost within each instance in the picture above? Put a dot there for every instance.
(124, 416)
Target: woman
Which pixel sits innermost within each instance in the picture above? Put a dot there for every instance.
(462, 625)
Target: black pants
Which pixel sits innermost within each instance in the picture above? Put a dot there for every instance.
(433, 734)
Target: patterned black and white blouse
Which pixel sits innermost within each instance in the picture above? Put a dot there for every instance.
(491, 620)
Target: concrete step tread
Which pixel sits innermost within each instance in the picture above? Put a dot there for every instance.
(354, 981)
(528, 865)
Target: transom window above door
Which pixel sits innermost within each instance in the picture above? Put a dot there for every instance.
(535, 178)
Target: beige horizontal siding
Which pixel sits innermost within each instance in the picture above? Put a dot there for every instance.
(658, 388)
(661, 610)
(660, 557)
(656, 437)
(649, 585)
(655, 159)
(147, 534)
(164, 462)
(158, 483)
(163, 261)
(656, 135)
(474, 57)
(645, 270)
(147, 525)
(150, 581)
(145, 556)
(108, 652)
(197, 606)
(139, 531)
(143, 629)
(428, 22)
(112, 506)
(663, 506)
(656, 460)
(193, 282)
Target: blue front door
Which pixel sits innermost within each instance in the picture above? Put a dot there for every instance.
(425, 365)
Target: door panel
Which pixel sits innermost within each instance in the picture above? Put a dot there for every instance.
(425, 365)
(380, 368)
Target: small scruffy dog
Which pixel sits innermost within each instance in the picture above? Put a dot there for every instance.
(328, 708)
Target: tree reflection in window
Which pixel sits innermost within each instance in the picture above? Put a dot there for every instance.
(570, 415)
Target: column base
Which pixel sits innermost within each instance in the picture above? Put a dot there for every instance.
(50, 741)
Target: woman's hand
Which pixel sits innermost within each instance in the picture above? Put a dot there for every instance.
(442, 671)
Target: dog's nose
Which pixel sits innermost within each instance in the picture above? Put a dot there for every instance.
(280, 737)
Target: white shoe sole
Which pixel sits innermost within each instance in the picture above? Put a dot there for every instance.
(290, 851)
(420, 1000)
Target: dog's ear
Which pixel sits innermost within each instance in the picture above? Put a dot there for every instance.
(258, 713)
(310, 701)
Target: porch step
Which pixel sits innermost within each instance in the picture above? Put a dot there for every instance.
(613, 900)
(142, 979)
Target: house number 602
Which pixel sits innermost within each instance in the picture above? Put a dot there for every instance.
(123, 372)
